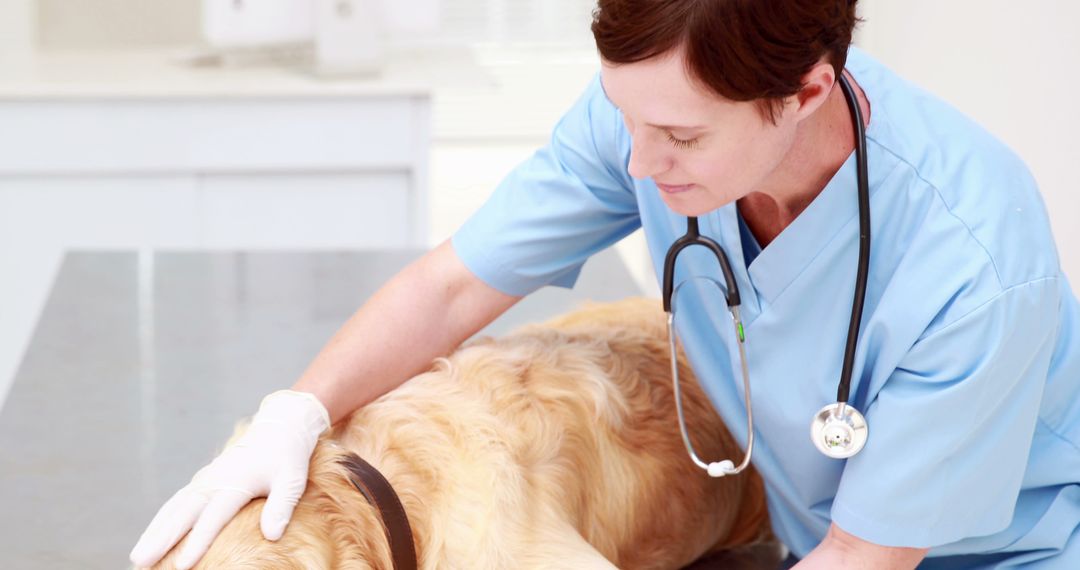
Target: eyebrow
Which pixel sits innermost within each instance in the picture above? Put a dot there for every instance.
(663, 127)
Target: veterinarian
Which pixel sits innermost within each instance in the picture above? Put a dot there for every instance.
(966, 368)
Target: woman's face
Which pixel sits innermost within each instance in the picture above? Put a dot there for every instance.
(701, 150)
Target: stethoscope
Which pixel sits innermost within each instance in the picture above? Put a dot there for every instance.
(837, 430)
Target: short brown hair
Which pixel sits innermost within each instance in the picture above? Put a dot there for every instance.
(742, 50)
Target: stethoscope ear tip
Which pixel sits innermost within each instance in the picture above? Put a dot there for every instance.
(721, 468)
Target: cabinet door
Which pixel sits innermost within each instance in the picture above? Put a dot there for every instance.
(316, 210)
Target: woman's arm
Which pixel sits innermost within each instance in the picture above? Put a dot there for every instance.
(843, 551)
(423, 312)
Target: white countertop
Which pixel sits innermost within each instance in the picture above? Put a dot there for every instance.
(176, 73)
(479, 93)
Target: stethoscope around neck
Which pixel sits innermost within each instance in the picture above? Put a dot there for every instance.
(838, 430)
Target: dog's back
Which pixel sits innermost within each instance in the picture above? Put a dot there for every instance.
(524, 451)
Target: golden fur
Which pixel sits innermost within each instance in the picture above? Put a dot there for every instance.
(553, 447)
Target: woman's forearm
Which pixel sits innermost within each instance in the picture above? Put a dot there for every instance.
(843, 551)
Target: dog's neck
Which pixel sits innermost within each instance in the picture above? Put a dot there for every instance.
(380, 493)
(351, 524)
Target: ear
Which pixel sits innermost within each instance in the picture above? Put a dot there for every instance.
(817, 83)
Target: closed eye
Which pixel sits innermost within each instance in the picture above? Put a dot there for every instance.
(680, 143)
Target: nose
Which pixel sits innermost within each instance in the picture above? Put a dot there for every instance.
(645, 158)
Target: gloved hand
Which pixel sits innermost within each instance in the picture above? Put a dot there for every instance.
(271, 459)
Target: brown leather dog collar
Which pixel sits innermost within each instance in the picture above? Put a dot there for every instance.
(379, 493)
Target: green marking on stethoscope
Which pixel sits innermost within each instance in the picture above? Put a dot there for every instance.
(742, 338)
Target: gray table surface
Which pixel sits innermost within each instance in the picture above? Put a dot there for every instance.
(141, 364)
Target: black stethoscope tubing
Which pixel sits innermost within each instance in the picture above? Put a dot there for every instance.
(864, 242)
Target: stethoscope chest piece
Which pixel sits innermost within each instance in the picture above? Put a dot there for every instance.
(839, 430)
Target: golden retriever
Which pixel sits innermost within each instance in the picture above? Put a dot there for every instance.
(556, 446)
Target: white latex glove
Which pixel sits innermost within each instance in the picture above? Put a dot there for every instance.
(271, 459)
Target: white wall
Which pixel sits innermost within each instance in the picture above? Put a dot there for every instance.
(116, 24)
(1014, 67)
(16, 27)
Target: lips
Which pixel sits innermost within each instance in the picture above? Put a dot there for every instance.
(674, 188)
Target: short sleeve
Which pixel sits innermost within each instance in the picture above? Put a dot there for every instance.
(951, 430)
(571, 199)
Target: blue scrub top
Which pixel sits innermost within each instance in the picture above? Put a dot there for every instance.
(968, 362)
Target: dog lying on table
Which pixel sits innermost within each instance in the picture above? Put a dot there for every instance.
(556, 446)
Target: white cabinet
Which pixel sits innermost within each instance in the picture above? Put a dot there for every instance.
(143, 155)
(331, 210)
